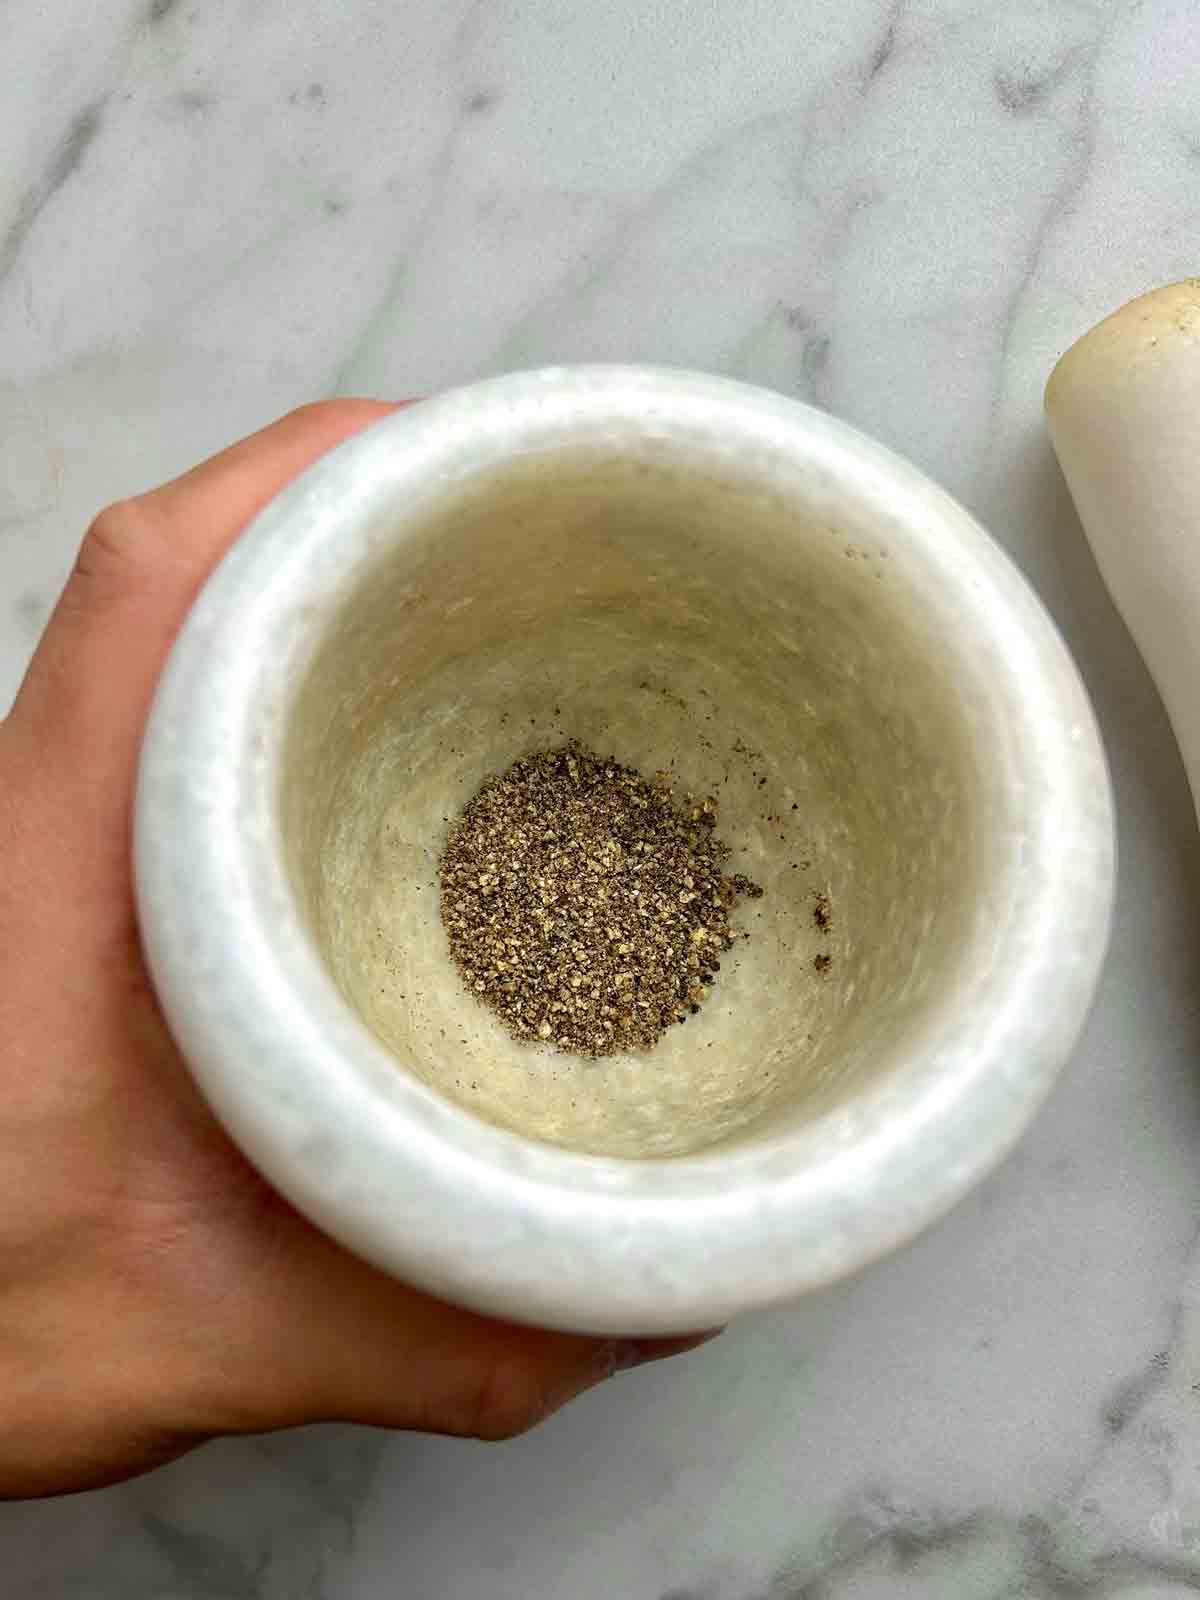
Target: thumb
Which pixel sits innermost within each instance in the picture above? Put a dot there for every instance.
(140, 566)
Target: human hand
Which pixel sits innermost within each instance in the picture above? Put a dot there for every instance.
(154, 1291)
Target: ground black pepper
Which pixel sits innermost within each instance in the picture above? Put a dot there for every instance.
(586, 905)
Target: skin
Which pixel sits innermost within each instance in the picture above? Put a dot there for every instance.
(154, 1291)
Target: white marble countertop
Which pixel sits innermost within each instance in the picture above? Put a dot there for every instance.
(903, 210)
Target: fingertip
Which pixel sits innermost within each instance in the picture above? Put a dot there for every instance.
(630, 1353)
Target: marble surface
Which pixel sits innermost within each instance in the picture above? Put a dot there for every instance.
(903, 210)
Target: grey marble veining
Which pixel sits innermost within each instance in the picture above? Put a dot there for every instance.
(904, 210)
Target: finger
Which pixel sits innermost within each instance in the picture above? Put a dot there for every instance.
(139, 569)
(344, 1342)
(197, 516)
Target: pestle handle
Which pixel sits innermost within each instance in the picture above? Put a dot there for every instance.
(1123, 407)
